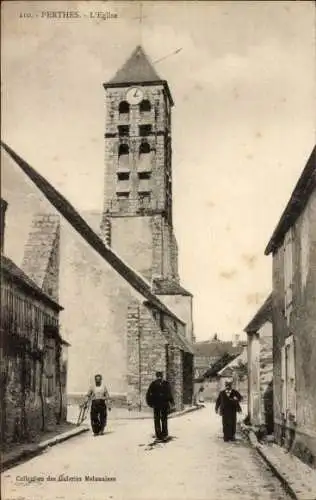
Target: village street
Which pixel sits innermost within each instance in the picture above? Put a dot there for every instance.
(195, 465)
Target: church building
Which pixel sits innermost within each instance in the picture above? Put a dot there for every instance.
(125, 313)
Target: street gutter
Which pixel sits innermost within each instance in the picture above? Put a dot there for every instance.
(297, 478)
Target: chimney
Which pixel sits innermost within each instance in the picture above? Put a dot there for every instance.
(4, 206)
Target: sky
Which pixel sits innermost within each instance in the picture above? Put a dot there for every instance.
(243, 123)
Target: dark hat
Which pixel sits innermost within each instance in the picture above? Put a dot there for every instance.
(159, 374)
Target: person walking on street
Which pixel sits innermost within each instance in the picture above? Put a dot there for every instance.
(159, 397)
(100, 399)
(228, 404)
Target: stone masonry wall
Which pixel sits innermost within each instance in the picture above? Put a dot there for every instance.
(150, 336)
(41, 254)
(158, 119)
(146, 353)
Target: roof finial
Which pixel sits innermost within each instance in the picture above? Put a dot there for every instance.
(140, 18)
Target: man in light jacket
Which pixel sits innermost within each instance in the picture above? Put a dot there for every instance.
(100, 398)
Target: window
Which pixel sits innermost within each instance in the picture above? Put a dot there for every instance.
(144, 148)
(144, 175)
(123, 150)
(123, 156)
(122, 199)
(288, 274)
(288, 378)
(145, 106)
(145, 157)
(123, 176)
(145, 130)
(144, 199)
(123, 130)
(123, 108)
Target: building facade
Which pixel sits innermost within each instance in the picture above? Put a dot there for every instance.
(33, 361)
(260, 366)
(293, 247)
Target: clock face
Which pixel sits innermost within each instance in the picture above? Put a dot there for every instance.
(134, 95)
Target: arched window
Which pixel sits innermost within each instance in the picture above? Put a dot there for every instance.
(123, 156)
(144, 148)
(145, 106)
(123, 108)
(145, 157)
(123, 149)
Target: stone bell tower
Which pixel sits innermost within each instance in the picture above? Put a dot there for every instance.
(137, 213)
(137, 216)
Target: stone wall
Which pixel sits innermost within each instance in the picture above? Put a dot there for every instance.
(152, 347)
(41, 253)
(301, 435)
(157, 117)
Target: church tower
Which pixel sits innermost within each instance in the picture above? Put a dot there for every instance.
(137, 215)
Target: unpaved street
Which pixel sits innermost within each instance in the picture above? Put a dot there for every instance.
(195, 465)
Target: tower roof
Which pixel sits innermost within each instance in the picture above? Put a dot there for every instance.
(137, 69)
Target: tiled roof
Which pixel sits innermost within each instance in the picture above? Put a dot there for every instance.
(263, 315)
(79, 224)
(297, 203)
(215, 348)
(15, 273)
(136, 69)
(168, 287)
(219, 365)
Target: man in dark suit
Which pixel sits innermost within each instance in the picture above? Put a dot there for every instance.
(227, 404)
(159, 397)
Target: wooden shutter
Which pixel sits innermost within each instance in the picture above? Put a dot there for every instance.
(283, 380)
(288, 273)
(291, 376)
